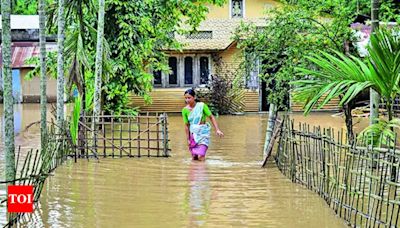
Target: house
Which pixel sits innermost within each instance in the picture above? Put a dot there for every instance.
(213, 42)
(25, 44)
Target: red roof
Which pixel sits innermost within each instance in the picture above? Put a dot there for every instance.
(21, 51)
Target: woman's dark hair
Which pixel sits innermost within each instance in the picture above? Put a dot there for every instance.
(192, 93)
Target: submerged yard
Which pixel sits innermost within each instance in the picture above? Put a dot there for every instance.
(229, 189)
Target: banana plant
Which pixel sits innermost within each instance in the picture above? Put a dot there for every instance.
(73, 127)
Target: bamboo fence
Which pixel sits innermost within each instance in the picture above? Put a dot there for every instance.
(142, 135)
(34, 166)
(125, 136)
(360, 183)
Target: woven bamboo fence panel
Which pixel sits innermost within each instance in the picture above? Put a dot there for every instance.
(360, 183)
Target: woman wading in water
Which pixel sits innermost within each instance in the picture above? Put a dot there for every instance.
(196, 128)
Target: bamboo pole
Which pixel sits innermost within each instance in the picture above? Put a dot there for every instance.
(158, 138)
(120, 137)
(130, 136)
(138, 136)
(112, 134)
(104, 134)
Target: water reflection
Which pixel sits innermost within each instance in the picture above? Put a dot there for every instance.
(199, 196)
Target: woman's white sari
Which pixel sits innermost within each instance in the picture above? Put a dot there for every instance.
(201, 132)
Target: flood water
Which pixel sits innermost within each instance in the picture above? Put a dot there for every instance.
(229, 189)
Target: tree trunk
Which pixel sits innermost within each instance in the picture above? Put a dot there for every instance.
(98, 71)
(60, 64)
(99, 62)
(374, 96)
(271, 125)
(8, 98)
(349, 121)
(43, 78)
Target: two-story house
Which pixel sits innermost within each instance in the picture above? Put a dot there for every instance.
(213, 42)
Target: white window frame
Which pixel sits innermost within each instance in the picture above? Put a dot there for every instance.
(157, 85)
(251, 76)
(178, 71)
(198, 69)
(181, 71)
(230, 9)
(193, 70)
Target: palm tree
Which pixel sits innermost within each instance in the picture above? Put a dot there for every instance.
(374, 96)
(60, 64)
(342, 76)
(98, 70)
(43, 78)
(8, 98)
(99, 55)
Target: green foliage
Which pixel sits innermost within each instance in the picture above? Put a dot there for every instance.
(389, 9)
(117, 99)
(138, 32)
(73, 128)
(51, 64)
(26, 7)
(347, 76)
(380, 133)
(291, 34)
(336, 76)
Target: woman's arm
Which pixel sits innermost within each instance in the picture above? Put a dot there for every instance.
(215, 124)
(187, 132)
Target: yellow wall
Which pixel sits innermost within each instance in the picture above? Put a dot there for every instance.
(253, 9)
(256, 8)
(218, 12)
(230, 58)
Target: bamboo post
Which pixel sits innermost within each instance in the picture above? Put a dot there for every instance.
(120, 137)
(86, 142)
(138, 135)
(104, 135)
(293, 157)
(166, 148)
(158, 135)
(112, 135)
(130, 137)
(148, 134)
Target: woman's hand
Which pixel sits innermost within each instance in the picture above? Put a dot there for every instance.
(220, 133)
(188, 141)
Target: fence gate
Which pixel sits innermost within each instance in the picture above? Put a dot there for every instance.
(124, 136)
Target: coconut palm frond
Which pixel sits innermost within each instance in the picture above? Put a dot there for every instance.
(336, 75)
(380, 133)
(384, 51)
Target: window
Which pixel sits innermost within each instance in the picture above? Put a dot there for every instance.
(188, 70)
(237, 8)
(204, 71)
(184, 70)
(200, 35)
(157, 77)
(252, 80)
(173, 75)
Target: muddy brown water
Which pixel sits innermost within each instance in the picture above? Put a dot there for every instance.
(229, 189)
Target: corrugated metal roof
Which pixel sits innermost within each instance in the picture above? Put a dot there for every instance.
(21, 51)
